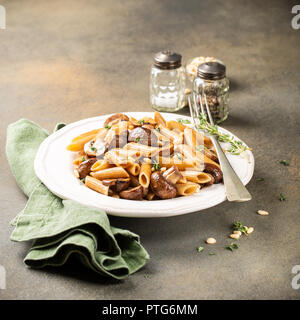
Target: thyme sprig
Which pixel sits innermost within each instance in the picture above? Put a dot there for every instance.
(236, 146)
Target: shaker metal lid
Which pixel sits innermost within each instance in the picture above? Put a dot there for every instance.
(211, 70)
(167, 60)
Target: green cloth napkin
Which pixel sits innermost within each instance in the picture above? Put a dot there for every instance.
(59, 227)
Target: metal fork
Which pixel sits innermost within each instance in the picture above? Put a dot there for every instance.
(234, 188)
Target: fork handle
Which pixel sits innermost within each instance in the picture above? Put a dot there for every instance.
(234, 188)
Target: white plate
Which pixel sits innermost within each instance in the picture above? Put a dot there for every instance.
(53, 166)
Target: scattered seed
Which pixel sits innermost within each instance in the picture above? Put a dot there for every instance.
(263, 212)
(234, 236)
(211, 240)
(250, 230)
(237, 232)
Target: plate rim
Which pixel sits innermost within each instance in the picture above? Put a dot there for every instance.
(42, 175)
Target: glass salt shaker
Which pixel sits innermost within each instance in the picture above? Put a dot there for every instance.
(167, 82)
(211, 82)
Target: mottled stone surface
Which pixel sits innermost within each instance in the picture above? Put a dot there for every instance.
(68, 60)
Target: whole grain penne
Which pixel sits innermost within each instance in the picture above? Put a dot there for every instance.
(110, 173)
(181, 164)
(100, 165)
(86, 134)
(197, 177)
(159, 119)
(113, 157)
(96, 185)
(172, 124)
(146, 151)
(176, 138)
(144, 176)
(134, 169)
(187, 189)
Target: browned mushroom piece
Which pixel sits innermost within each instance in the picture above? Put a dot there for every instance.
(161, 187)
(211, 155)
(132, 193)
(172, 175)
(116, 116)
(214, 170)
(95, 148)
(118, 184)
(143, 136)
(84, 168)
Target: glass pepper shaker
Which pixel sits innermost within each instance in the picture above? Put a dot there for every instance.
(167, 82)
(211, 82)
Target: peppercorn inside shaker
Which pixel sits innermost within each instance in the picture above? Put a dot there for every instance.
(211, 82)
(167, 82)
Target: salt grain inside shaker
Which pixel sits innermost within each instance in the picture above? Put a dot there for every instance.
(167, 82)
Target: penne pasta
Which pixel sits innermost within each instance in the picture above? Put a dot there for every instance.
(96, 185)
(134, 169)
(110, 173)
(86, 134)
(144, 150)
(159, 119)
(187, 189)
(100, 165)
(180, 164)
(175, 125)
(197, 177)
(144, 176)
(176, 138)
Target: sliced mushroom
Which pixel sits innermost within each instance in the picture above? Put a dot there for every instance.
(115, 116)
(143, 136)
(132, 193)
(118, 184)
(95, 148)
(172, 175)
(84, 168)
(214, 170)
(161, 187)
(211, 155)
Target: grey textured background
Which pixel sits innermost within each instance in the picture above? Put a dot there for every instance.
(68, 60)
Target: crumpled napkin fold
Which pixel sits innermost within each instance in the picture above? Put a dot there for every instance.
(61, 228)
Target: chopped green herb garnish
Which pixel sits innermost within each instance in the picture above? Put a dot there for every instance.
(200, 249)
(94, 149)
(137, 139)
(211, 253)
(183, 121)
(158, 129)
(260, 179)
(236, 146)
(177, 155)
(232, 247)
(282, 197)
(83, 159)
(107, 127)
(237, 225)
(284, 162)
(156, 166)
(141, 122)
